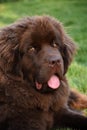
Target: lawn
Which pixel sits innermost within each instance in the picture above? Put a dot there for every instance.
(72, 13)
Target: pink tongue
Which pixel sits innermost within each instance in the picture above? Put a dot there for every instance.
(54, 82)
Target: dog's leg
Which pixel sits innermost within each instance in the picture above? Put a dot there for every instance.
(4, 125)
(77, 100)
(28, 120)
(70, 119)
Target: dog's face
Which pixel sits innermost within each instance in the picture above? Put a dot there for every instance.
(42, 65)
(45, 53)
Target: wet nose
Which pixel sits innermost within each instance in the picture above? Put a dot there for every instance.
(54, 61)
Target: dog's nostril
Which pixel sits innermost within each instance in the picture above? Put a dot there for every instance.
(58, 61)
(54, 62)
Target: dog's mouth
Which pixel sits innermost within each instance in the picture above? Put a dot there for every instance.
(52, 83)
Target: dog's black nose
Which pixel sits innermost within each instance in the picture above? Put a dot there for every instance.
(53, 62)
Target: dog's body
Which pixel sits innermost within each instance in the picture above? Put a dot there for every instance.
(34, 94)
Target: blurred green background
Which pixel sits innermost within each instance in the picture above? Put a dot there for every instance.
(72, 13)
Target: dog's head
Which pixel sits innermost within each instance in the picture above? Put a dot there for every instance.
(38, 50)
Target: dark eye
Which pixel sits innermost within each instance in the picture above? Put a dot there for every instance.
(31, 49)
(54, 44)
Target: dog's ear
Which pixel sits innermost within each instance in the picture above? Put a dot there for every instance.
(69, 49)
(10, 39)
(14, 70)
(9, 61)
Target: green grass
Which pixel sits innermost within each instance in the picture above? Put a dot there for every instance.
(72, 13)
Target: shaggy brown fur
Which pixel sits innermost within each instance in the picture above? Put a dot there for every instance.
(77, 100)
(33, 50)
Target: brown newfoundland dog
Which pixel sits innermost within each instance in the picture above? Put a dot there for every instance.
(35, 54)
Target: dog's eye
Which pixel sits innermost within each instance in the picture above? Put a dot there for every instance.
(31, 49)
(54, 44)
